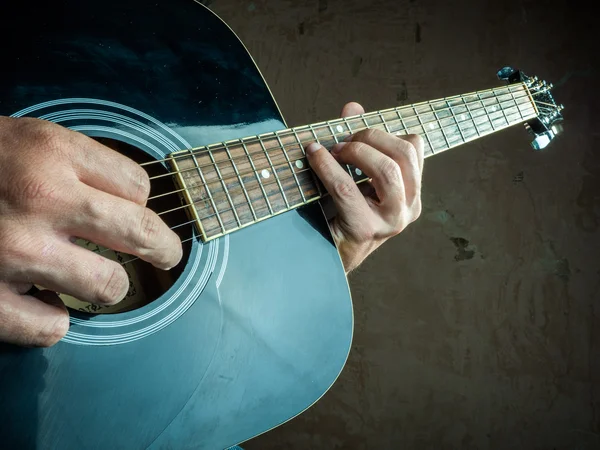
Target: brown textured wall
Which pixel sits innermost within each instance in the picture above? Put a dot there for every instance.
(477, 327)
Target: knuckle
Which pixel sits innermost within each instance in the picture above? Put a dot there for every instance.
(142, 182)
(415, 141)
(48, 136)
(95, 210)
(343, 187)
(54, 331)
(368, 134)
(15, 248)
(357, 147)
(390, 172)
(32, 187)
(148, 230)
(114, 285)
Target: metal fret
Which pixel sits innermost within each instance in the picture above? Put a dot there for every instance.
(348, 125)
(502, 109)
(402, 121)
(472, 118)
(333, 134)
(440, 125)
(314, 134)
(512, 94)
(291, 167)
(241, 182)
(262, 188)
(337, 142)
(274, 172)
(314, 176)
(456, 121)
(485, 111)
(383, 122)
(210, 197)
(424, 129)
(224, 187)
(362, 116)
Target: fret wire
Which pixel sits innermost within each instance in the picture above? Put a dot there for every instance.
(501, 109)
(421, 122)
(216, 167)
(208, 192)
(314, 198)
(351, 133)
(472, 118)
(314, 177)
(337, 142)
(317, 138)
(486, 112)
(419, 125)
(441, 126)
(257, 177)
(383, 122)
(402, 121)
(287, 205)
(291, 167)
(516, 104)
(424, 130)
(274, 193)
(456, 122)
(241, 183)
(519, 87)
(462, 98)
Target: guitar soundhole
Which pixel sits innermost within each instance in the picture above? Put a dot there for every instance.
(146, 283)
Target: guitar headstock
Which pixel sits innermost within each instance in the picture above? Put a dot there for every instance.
(546, 125)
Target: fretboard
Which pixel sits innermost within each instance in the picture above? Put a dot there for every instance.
(230, 185)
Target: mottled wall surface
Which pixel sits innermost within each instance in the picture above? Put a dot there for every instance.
(477, 327)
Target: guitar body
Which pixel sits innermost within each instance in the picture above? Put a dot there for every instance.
(251, 328)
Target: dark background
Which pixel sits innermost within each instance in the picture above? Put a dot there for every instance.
(477, 327)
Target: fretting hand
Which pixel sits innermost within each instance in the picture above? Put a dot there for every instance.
(370, 213)
(56, 185)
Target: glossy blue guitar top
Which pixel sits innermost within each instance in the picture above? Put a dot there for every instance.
(255, 323)
(251, 328)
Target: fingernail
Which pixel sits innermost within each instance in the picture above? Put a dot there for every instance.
(312, 148)
(337, 148)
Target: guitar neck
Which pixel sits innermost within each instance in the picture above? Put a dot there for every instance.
(233, 184)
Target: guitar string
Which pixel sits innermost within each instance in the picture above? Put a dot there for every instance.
(240, 190)
(279, 193)
(433, 111)
(313, 129)
(420, 125)
(519, 87)
(217, 199)
(254, 173)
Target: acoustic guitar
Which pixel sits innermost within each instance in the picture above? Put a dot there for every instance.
(255, 324)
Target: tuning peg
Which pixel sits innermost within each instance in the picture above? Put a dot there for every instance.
(557, 129)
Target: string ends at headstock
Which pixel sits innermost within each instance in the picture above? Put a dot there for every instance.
(545, 127)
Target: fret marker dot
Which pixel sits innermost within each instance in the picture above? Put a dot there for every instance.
(265, 173)
(339, 129)
(299, 164)
(358, 171)
(463, 117)
(431, 126)
(398, 133)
